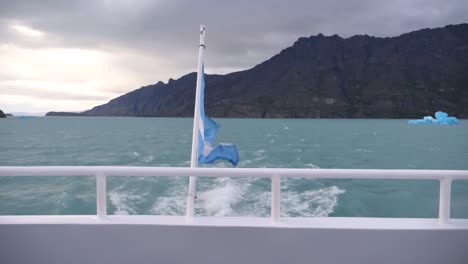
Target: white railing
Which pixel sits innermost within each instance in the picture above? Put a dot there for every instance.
(101, 172)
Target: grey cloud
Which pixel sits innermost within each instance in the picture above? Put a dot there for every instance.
(240, 33)
(51, 94)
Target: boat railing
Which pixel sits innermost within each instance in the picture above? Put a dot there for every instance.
(445, 177)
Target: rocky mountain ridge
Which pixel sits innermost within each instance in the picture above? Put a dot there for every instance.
(408, 76)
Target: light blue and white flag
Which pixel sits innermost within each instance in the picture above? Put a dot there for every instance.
(208, 129)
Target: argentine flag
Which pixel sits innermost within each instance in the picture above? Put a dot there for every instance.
(208, 129)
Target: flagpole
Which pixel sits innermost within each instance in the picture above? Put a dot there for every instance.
(196, 117)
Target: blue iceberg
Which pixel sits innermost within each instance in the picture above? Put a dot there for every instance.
(441, 118)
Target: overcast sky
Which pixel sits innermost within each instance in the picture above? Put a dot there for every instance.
(72, 55)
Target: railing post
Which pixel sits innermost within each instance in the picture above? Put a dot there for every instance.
(189, 212)
(101, 195)
(275, 199)
(444, 200)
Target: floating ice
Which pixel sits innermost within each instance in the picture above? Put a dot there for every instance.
(441, 118)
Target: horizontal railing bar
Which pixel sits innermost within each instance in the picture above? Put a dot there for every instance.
(230, 172)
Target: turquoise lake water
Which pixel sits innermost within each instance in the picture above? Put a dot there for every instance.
(292, 143)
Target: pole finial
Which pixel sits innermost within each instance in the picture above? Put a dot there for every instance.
(202, 35)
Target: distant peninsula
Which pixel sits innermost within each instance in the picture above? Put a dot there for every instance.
(64, 114)
(408, 76)
(2, 115)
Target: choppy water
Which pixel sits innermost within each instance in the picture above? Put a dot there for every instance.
(299, 143)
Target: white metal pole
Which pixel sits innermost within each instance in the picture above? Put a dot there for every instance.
(444, 200)
(101, 195)
(196, 116)
(275, 199)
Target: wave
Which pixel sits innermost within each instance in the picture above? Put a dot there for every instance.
(221, 200)
(174, 204)
(148, 158)
(259, 152)
(125, 202)
(142, 158)
(313, 166)
(362, 150)
(309, 203)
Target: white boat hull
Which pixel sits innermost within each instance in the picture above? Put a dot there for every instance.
(159, 239)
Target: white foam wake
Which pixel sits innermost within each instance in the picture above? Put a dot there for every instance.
(221, 200)
(242, 197)
(124, 202)
(144, 158)
(235, 197)
(309, 203)
(175, 203)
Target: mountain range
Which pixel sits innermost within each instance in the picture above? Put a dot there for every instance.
(408, 76)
